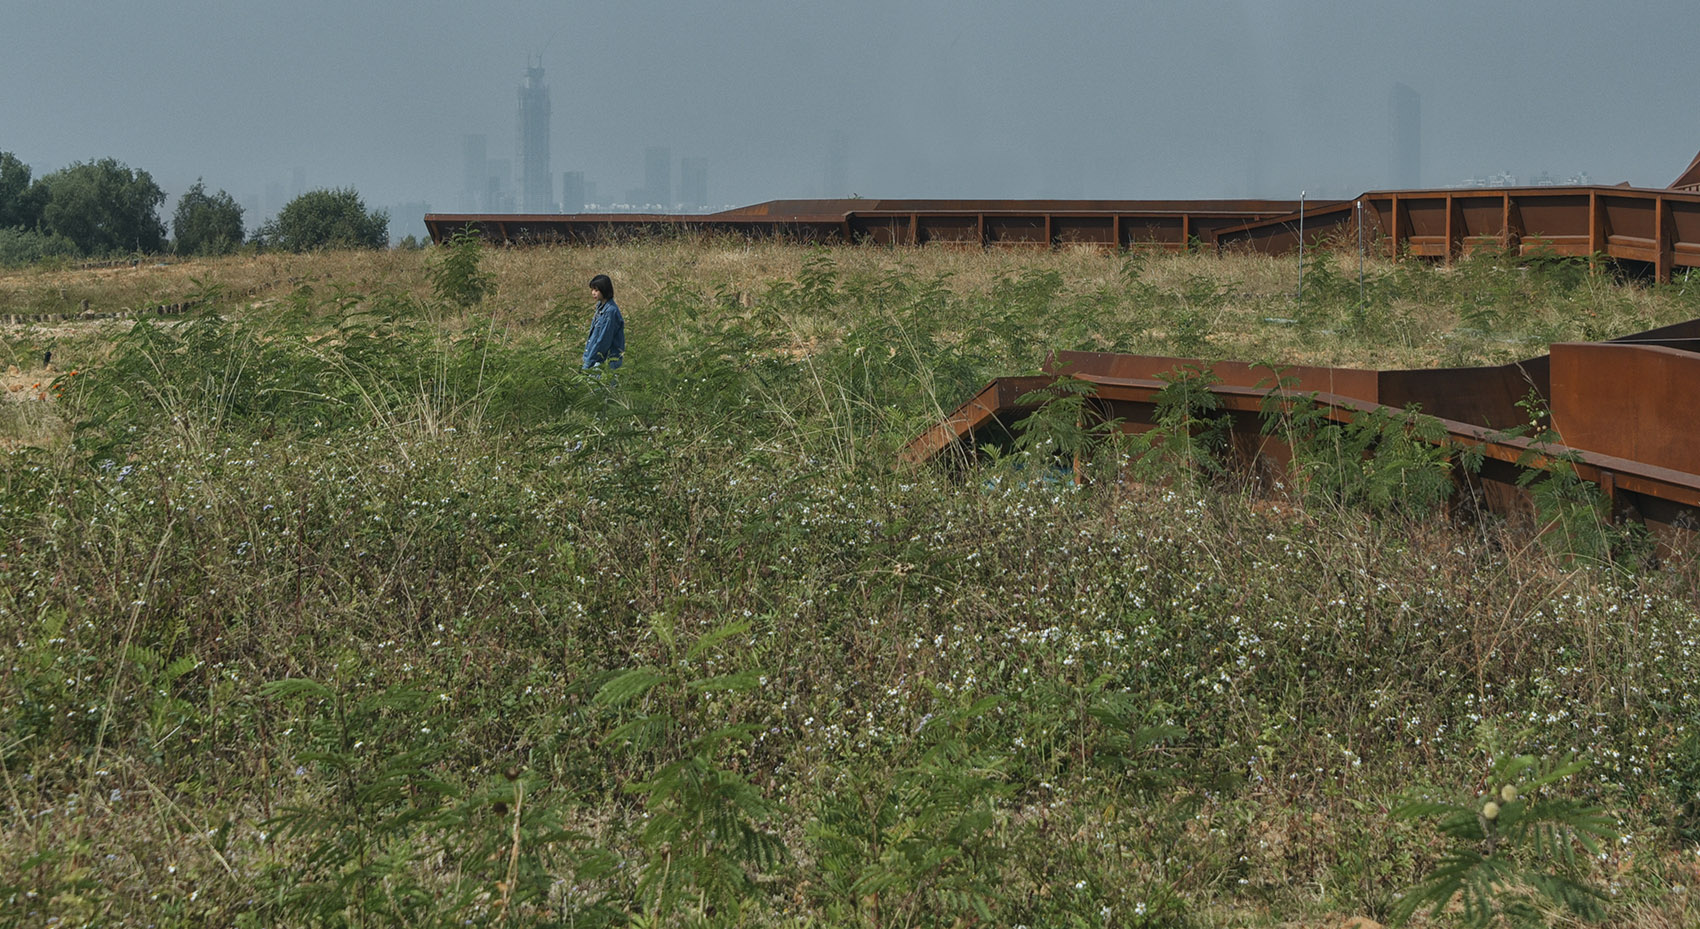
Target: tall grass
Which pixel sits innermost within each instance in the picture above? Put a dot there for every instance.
(362, 608)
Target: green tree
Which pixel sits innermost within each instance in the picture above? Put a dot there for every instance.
(20, 203)
(104, 207)
(327, 219)
(206, 224)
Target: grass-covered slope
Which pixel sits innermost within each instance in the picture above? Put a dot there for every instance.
(339, 603)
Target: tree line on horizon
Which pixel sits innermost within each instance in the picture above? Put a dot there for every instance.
(104, 208)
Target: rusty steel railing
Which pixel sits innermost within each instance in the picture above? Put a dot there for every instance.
(1172, 225)
(1658, 228)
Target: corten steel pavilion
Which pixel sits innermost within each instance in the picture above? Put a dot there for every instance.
(1169, 224)
(1656, 228)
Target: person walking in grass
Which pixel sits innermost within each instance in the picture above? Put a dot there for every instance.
(607, 342)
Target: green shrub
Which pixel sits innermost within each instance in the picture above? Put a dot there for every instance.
(455, 275)
(27, 246)
(333, 218)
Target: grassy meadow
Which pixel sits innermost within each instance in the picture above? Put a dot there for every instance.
(347, 600)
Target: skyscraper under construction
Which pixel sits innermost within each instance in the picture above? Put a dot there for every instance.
(536, 186)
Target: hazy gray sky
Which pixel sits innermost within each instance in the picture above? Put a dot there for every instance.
(942, 98)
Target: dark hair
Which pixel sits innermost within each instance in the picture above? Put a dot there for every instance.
(603, 286)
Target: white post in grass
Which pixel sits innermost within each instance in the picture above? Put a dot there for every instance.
(1301, 294)
(1361, 298)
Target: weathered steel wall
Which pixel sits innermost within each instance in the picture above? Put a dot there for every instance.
(1623, 411)
(1657, 227)
(1172, 225)
(1660, 228)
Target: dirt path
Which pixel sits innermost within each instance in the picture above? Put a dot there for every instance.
(34, 385)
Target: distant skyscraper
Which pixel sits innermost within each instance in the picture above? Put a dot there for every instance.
(475, 176)
(1405, 111)
(572, 192)
(693, 183)
(275, 197)
(498, 186)
(836, 181)
(536, 185)
(298, 182)
(658, 175)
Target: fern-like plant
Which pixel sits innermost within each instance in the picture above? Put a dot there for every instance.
(706, 838)
(1574, 516)
(918, 844)
(456, 277)
(1190, 441)
(369, 831)
(1513, 856)
(1068, 424)
(1383, 461)
(166, 711)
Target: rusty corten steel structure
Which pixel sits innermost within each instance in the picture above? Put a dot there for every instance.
(1659, 228)
(1622, 410)
(1173, 225)
(1690, 178)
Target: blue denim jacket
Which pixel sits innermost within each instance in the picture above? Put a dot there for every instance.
(607, 342)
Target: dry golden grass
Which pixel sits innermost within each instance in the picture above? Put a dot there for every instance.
(1238, 306)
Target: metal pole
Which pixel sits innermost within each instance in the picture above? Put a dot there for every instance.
(1301, 294)
(1361, 298)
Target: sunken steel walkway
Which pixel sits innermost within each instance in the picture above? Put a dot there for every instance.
(1172, 225)
(1623, 411)
(1658, 227)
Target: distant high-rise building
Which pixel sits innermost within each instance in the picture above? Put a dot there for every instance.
(275, 197)
(658, 175)
(475, 176)
(572, 192)
(536, 185)
(498, 186)
(693, 183)
(835, 182)
(1405, 111)
(298, 182)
